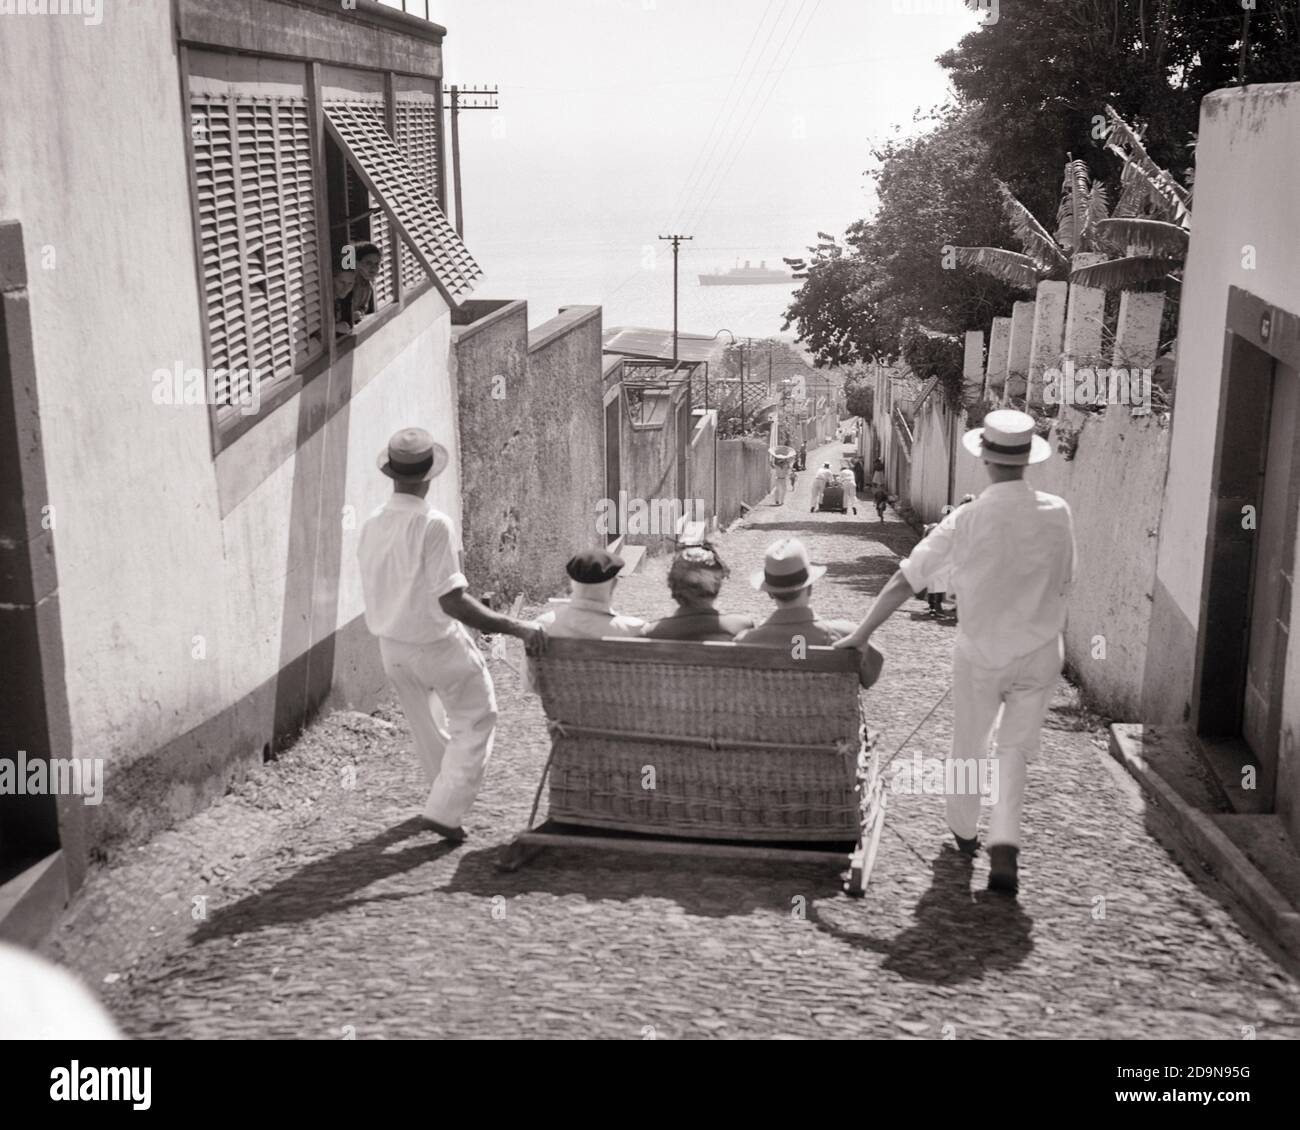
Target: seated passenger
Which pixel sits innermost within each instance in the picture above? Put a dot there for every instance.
(695, 579)
(587, 613)
(787, 577)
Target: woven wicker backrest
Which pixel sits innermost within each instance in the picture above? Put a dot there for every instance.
(674, 689)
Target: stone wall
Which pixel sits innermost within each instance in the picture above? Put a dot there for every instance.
(532, 444)
(743, 476)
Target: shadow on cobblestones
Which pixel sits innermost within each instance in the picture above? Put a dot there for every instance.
(894, 536)
(863, 574)
(322, 886)
(702, 888)
(956, 936)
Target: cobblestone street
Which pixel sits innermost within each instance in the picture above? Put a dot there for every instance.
(307, 904)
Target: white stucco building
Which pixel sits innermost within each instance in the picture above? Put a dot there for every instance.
(1222, 656)
(178, 593)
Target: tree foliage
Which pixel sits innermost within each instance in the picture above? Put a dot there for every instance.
(1047, 78)
(1043, 74)
(935, 192)
(860, 393)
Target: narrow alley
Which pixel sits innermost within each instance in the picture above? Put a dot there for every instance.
(306, 903)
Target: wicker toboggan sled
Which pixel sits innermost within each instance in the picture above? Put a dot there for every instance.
(715, 749)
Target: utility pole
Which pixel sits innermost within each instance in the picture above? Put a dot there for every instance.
(742, 387)
(456, 93)
(677, 242)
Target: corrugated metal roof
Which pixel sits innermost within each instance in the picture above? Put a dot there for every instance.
(639, 341)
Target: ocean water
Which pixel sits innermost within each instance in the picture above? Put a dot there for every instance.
(635, 286)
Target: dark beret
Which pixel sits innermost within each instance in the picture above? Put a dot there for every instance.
(592, 566)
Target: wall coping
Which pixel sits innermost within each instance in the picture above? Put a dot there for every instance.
(568, 320)
(507, 309)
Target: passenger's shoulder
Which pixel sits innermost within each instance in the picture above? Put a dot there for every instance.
(1051, 502)
(836, 629)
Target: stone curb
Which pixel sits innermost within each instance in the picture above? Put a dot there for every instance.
(1199, 841)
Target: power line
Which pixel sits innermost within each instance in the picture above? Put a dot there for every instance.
(723, 168)
(746, 97)
(738, 148)
(706, 149)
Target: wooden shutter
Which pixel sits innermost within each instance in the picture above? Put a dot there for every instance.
(416, 121)
(359, 130)
(257, 219)
(223, 279)
(358, 200)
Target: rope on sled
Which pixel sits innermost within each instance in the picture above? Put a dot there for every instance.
(901, 745)
(938, 702)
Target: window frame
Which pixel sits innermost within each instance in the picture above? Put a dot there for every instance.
(224, 433)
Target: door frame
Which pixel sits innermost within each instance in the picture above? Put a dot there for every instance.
(1257, 336)
(36, 873)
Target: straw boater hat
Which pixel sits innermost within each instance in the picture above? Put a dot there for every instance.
(412, 457)
(786, 568)
(1007, 437)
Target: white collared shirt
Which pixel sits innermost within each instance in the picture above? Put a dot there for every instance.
(1012, 559)
(580, 617)
(410, 556)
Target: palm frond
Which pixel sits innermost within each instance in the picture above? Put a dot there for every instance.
(1125, 143)
(1034, 238)
(1123, 274)
(1010, 267)
(1133, 198)
(1072, 215)
(1098, 210)
(1146, 238)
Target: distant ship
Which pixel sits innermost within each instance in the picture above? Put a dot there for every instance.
(747, 276)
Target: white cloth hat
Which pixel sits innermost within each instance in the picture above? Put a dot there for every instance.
(1007, 437)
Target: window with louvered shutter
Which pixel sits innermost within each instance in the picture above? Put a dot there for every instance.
(257, 227)
(417, 120)
(360, 132)
(368, 223)
(376, 228)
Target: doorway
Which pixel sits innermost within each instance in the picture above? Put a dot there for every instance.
(1245, 614)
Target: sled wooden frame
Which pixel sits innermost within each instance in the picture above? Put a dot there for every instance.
(858, 861)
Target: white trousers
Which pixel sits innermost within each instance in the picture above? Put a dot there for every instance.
(1021, 691)
(451, 707)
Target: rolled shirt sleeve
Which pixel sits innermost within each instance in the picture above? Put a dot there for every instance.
(442, 557)
(932, 556)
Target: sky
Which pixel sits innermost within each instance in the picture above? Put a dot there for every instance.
(744, 123)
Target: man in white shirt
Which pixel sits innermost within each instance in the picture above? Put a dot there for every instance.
(824, 475)
(850, 487)
(1011, 555)
(781, 476)
(417, 604)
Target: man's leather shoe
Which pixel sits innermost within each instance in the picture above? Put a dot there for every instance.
(967, 847)
(455, 835)
(1003, 869)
